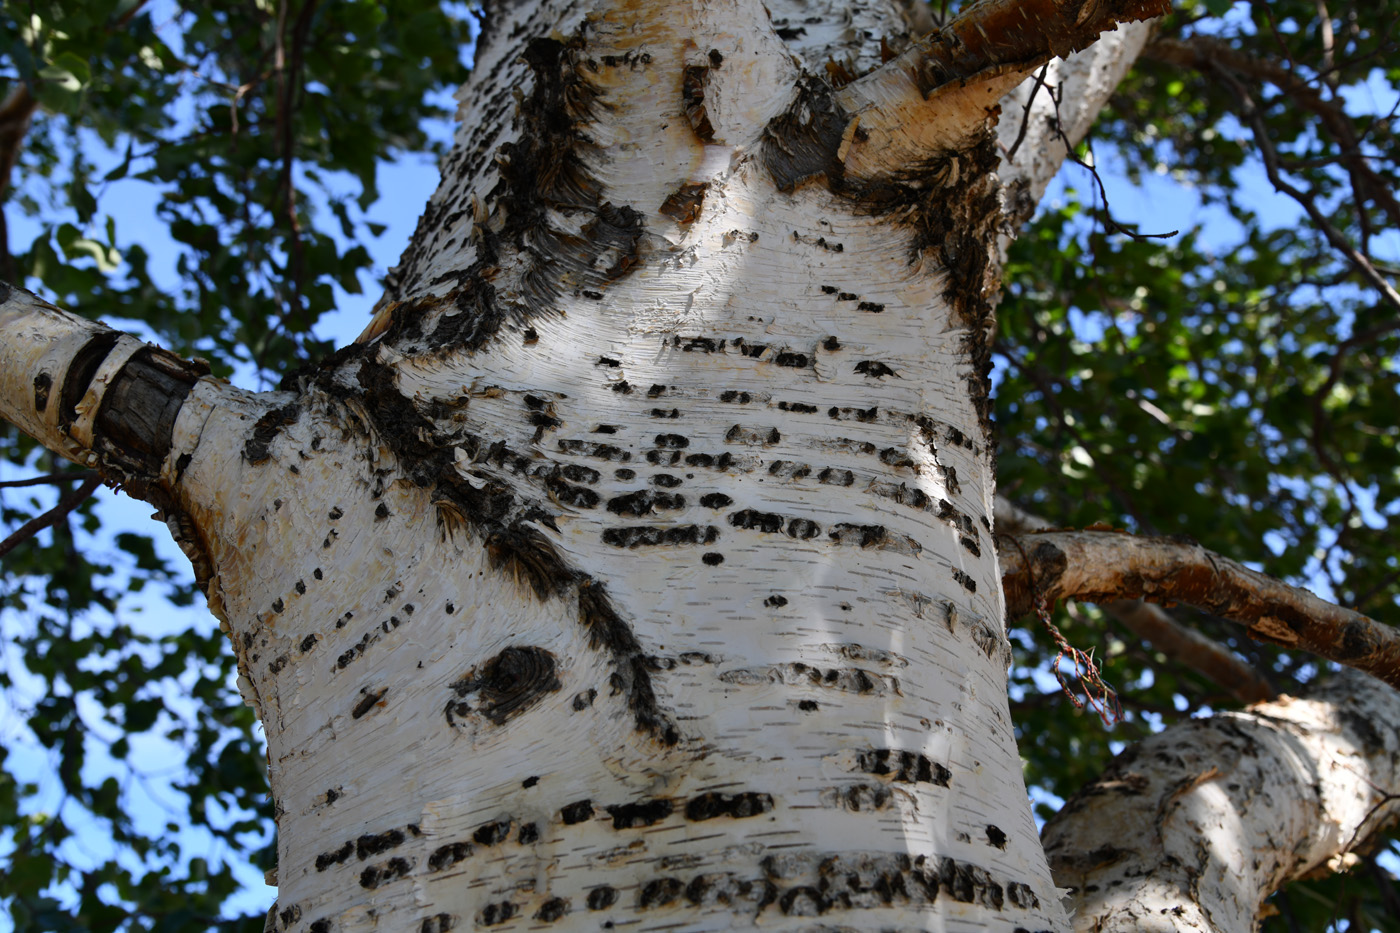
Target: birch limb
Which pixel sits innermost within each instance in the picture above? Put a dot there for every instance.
(1191, 829)
(943, 89)
(1153, 625)
(1103, 565)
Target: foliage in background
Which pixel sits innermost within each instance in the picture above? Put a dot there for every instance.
(242, 117)
(1235, 383)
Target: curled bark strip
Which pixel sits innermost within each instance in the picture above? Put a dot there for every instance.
(1100, 566)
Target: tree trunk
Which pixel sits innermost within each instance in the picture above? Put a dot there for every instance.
(634, 567)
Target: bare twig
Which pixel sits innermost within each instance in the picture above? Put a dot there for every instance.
(1101, 566)
(49, 479)
(35, 525)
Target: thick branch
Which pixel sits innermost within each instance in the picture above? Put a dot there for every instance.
(1193, 828)
(1153, 625)
(945, 87)
(1101, 566)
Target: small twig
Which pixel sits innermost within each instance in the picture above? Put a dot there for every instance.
(48, 479)
(35, 525)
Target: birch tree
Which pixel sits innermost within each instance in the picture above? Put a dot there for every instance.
(636, 565)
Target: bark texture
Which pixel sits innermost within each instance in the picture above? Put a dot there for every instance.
(634, 566)
(1193, 828)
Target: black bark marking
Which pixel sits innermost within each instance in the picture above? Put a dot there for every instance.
(445, 857)
(376, 875)
(602, 897)
(903, 767)
(995, 836)
(644, 813)
(775, 601)
(659, 892)
(608, 632)
(576, 812)
(529, 834)
(493, 833)
(506, 685)
(438, 923)
(967, 582)
(327, 859)
(635, 536)
(874, 369)
(644, 502)
(713, 559)
(500, 912)
(738, 806)
(257, 448)
(372, 844)
(767, 522)
(552, 909)
(366, 703)
(801, 143)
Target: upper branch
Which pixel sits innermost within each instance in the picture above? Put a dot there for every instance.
(1105, 565)
(944, 87)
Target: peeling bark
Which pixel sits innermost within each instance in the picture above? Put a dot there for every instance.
(1099, 566)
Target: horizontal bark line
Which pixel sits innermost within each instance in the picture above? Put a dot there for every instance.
(1101, 566)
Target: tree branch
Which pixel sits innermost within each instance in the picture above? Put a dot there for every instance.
(1153, 625)
(942, 90)
(1192, 828)
(48, 479)
(1101, 566)
(37, 524)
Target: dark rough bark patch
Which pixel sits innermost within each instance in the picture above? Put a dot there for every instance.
(739, 806)
(659, 892)
(903, 767)
(438, 923)
(801, 143)
(500, 912)
(327, 859)
(508, 684)
(694, 81)
(552, 909)
(446, 856)
(576, 812)
(683, 206)
(372, 844)
(376, 875)
(643, 813)
(608, 632)
(43, 383)
(257, 448)
(602, 897)
(366, 703)
(492, 833)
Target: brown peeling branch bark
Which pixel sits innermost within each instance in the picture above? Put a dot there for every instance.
(1101, 566)
(1152, 624)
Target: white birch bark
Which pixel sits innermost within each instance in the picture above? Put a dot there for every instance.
(634, 567)
(1193, 828)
